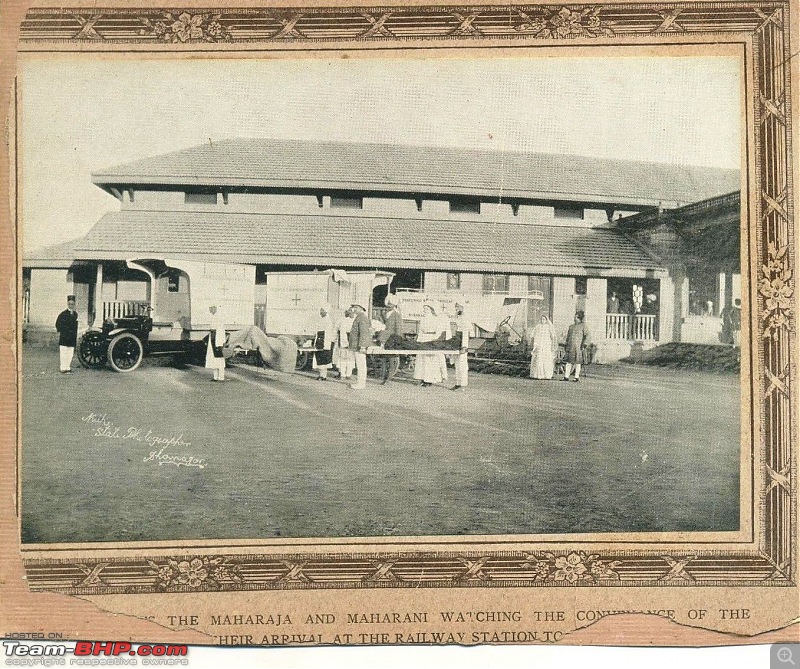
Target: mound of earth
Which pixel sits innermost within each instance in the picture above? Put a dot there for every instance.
(700, 357)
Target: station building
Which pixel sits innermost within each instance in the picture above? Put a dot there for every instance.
(476, 222)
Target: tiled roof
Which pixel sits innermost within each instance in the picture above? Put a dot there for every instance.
(292, 164)
(359, 241)
(54, 256)
(724, 207)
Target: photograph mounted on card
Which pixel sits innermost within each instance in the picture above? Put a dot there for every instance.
(399, 302)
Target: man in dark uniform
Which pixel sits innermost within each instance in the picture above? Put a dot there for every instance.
(578, 342)
(360, 338)
(394, 324)
(67, 326)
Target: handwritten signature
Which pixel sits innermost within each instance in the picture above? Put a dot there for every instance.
(178, 460)
(105, 428)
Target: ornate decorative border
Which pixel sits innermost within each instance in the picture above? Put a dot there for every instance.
(208, 573)
(333, 24)
(766, 26)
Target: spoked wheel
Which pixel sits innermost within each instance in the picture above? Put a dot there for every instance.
(125, 352)
(92, 350)
(560, 360)
(386, 367)
(303, 360)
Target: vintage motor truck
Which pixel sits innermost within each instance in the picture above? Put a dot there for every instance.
(176, 317)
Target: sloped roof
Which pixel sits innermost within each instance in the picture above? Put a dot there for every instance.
(295, 164)
(709, 231)
(359, 241)
(727, 207)
(53, 256)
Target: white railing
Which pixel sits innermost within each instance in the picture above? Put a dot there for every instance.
(640, 327)
(644, 328)
(123, 308)
(618, 326)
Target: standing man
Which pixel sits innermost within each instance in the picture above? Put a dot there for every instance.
(216, 340)
(392, 335)
(736, 322)
(577, 342)
(393, 332)
(360, 339)
(463, 326)
(67, 326)
(612, 304)
(343, 357)
(326, 333)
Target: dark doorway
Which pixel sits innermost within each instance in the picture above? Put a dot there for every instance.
(403, 278)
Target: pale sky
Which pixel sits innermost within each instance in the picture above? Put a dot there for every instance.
(78, 115)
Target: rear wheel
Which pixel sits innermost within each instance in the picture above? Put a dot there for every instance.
(303, 360)
(125, 352)
(92, 350)
(560, 360)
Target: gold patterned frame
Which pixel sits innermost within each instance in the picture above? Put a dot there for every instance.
(768, 209)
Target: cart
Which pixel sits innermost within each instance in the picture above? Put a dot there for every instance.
(387, 362)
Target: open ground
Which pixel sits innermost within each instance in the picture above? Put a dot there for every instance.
(282, 455)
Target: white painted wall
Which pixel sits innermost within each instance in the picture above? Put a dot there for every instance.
(49, 290)
(666, 310)
(145, 200)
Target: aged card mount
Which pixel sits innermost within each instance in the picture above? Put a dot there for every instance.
(481, 589)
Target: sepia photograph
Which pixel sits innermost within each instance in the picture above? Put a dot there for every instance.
(298, 298)
(340, 326)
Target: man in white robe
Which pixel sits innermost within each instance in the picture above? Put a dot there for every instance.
(326, 334)
(216, 340)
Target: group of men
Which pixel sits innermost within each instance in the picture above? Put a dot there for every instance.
(345, 343)
(616, 305)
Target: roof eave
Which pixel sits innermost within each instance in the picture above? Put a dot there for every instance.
(391, 263)
(107, 182)
(42, 263)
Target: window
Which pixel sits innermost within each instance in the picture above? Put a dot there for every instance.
(575, 213)
(338, 202)
(580, 285)
(539, 284)
(453, 280)
(495, 283)
(173, 283)
(465, 207)
(200, 197)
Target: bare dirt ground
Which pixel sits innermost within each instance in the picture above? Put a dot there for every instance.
(627, 449)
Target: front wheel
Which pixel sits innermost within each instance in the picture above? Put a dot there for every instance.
(125, 352)
(92, 350)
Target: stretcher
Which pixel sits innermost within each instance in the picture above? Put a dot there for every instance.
(387, 362)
